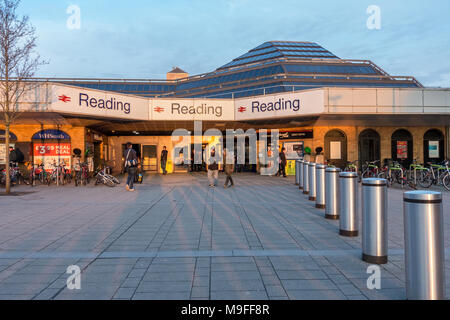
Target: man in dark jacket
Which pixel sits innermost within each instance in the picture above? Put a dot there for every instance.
(164, 159)
(130, 165)
(283, 162)
(228, 168)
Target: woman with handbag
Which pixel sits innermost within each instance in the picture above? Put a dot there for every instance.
(130, 165)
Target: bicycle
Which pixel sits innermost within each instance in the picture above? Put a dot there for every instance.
(353, 167)
(446, 177)
(397, 173)
(420, 177)
(85, 177)
(106, 179)
(58, 175)
(370, 169)
(435, 175)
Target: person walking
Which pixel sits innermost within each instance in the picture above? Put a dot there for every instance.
(164, 159)
(76, 165)
(283, 162)
(130, 165)
(229, 168)
(213, 169)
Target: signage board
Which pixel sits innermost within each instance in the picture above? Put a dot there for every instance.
(402, 149)
(3, 152)
(52, 153)
(280, 105)
(50, 134)
(98, 103)
(12, 136)
(294, 150)
(192, 109)
(433, 149)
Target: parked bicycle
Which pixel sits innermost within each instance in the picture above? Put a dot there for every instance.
(102, 177)
(16, 176)
(398, 174)
(435, 174)
(370, 169)
(352, 166)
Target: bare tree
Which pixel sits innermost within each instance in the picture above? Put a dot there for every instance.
(18, 62)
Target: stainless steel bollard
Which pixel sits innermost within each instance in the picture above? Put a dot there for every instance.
(320, 186)
(348, 214)
(312, 181)
(300, 174)
(305, 178)
(296, 171)
(424, 245)
(332, 193)
(374, 220)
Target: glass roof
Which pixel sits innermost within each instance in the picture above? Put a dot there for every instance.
(278, 49)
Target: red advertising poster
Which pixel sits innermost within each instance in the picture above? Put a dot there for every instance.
(402, 149)
(52, 153)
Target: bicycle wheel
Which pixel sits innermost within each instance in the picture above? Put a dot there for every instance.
(24, 180)
(440, 178)
(68, 178)
(108, 182)
(446, 182)
(424, 178)
(41, 178)
(411, 184)
(112, 178)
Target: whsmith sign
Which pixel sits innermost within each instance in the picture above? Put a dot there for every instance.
(102, 104)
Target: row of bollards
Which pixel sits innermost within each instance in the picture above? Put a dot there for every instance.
(337, 193)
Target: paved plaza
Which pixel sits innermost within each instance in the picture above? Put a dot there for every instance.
(175, 238)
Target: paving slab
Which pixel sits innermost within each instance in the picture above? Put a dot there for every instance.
(175, 238)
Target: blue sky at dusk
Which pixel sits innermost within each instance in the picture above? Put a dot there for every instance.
(146, 38)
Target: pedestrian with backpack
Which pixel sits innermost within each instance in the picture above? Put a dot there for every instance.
(228, 168)
(130, 165)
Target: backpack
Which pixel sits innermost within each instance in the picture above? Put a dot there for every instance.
(19, 155)
(130, 163)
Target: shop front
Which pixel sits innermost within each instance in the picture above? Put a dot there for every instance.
(51, 147)
(4, 148)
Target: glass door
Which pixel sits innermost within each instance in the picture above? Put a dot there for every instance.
(149, 158)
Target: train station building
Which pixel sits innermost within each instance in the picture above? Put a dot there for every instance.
(352, 109)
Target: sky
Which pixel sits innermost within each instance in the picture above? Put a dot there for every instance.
(145, 38)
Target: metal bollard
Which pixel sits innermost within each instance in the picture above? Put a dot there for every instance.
(332, 193)
(374, 220)
(300, 174)
(320, 186)
(312, 181)
(424, 245)
(305, 178)
(348, 189)
(297, 172)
